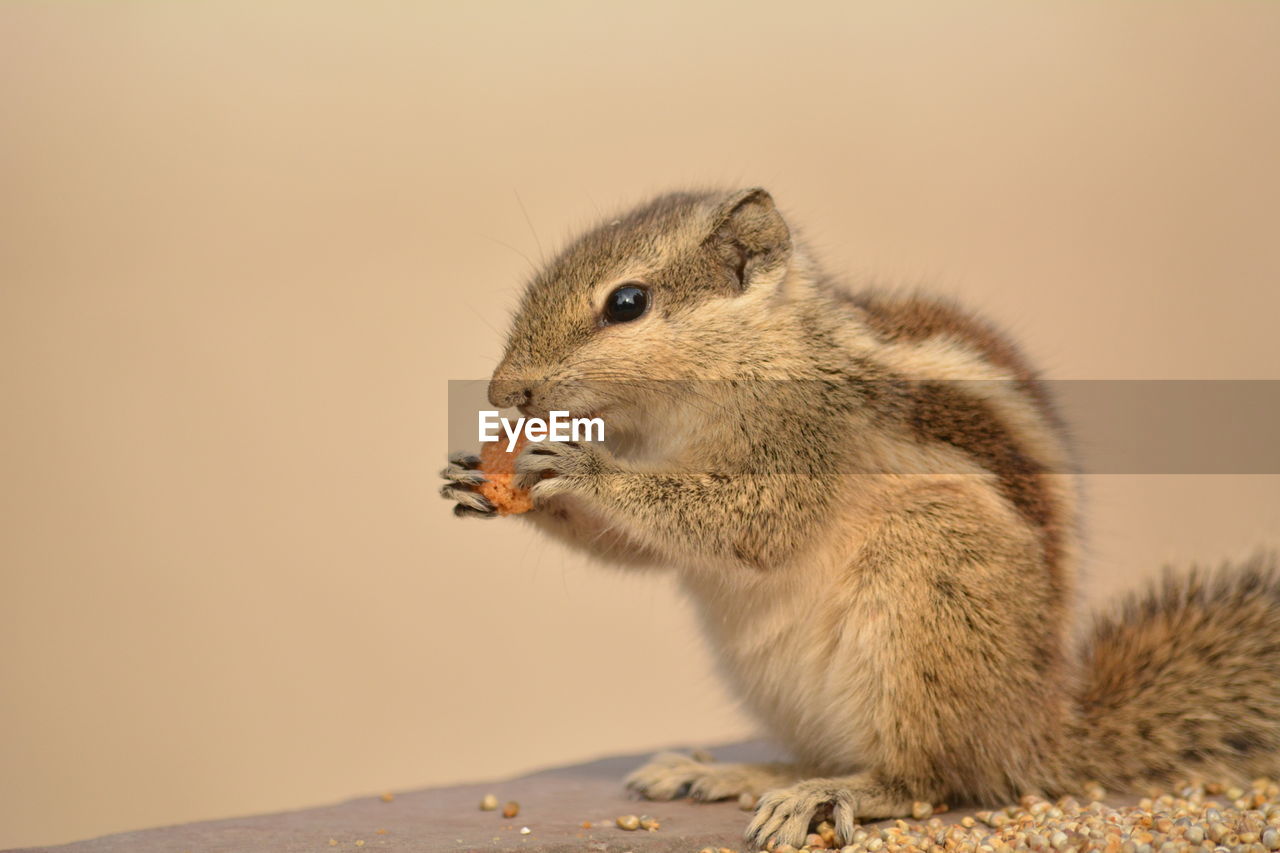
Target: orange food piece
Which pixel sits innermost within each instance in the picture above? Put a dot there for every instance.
(499, 469)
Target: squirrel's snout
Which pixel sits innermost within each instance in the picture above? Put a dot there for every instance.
(506, 393)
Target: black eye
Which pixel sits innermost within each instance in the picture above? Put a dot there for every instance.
(627, 302)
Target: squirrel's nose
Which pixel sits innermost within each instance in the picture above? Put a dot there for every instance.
(505, 393)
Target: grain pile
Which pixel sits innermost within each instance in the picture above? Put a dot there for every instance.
(1196, 818)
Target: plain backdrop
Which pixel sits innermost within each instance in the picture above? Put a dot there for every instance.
(243, 247)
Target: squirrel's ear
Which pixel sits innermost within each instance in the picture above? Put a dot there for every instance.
(749, 236)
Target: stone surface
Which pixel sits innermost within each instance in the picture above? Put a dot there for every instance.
(553, 805)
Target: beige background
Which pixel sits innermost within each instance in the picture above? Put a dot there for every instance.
(243, 246)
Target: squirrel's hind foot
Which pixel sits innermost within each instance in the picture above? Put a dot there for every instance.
(670, 775)
(785, 815)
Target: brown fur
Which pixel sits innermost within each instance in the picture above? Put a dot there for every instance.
(1186, 680)
(917, 318)
(869, 500)
(943, 412)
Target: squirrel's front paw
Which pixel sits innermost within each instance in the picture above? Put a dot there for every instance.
(558, 467)
(461, 479)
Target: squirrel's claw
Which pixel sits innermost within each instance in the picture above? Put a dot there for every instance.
(667, 776)
(456, 473)
(463, 459)
(462, 476)
(783, 815)
(463, 511)
(536, 462)
(779, 819)
(466, 497)
(553, 467)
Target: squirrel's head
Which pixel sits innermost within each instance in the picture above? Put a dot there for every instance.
(667, 291)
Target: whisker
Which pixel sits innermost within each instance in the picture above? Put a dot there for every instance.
(476, 311)
(542, 256)
(528, 260)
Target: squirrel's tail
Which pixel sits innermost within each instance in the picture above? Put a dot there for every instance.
(1184, 681)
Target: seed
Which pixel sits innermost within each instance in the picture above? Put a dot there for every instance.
(1271, 839)
(333, 842)
(488, 803)
(628, 822)
(814, 840)
(524, 830)
(649, 823)
(511, 809)
(387, 797)
(586, 824)
(360, 842)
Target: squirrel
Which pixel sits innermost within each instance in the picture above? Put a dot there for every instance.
(871, 501)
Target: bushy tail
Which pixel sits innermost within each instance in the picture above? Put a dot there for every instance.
(1184, 681)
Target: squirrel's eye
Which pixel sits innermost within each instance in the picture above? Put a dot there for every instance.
(626, 303)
